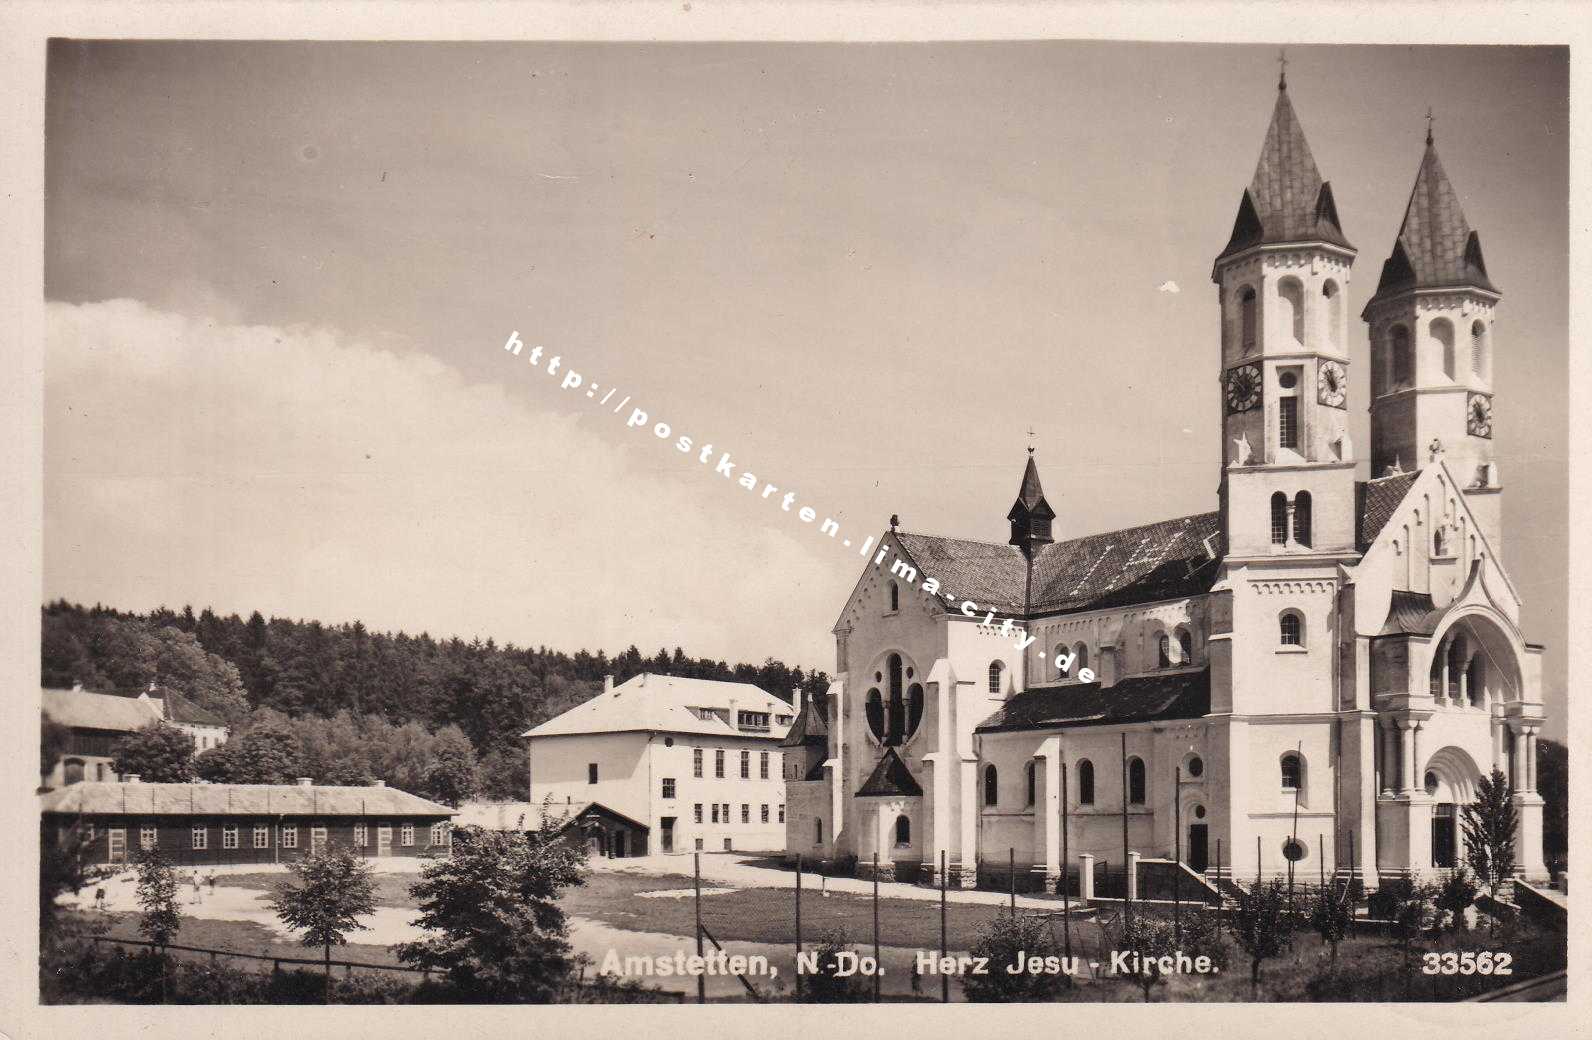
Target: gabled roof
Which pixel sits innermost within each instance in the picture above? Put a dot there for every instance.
(808, 729)
(1163, 560)
(890, 778)
(238, 799)
(180, 709)
(1141, 698)
(1378, 500)
(668, 704)
(1435, 246)
(587, 810)
(1411, 613)
(84, 710)
(1286, 201)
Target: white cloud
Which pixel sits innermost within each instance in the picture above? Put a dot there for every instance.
(291, 470)
(1168, 286)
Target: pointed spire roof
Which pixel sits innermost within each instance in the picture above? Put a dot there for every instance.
(1030, 496)
(1286, 201)
(1435, 245)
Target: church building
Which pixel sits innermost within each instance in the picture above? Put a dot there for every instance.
(1322, 668)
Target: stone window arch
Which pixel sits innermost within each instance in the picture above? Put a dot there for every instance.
(1086, 787)
(1291, 628)
(873, 708)
(72, 771)
(1061, 657)
(903, 831)
(991, 785)
(895, 709)
(1185, 645)
(914, 709)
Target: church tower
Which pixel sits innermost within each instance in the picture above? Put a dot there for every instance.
(1287, 462)
(1431, 324)
(1030, 515)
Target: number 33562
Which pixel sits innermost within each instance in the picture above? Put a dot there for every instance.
(1467, 963)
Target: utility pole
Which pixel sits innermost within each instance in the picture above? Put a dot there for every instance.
(1127, 888)
(945, 980)
(798, 926)
(876, 928)
(702, 980)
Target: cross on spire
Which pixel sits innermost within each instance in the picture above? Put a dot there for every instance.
(1282, 70)
(1030, 440)
(1429, 120)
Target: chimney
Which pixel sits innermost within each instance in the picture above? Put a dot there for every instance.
(132, 778)
(305, 781)
(608, 684)
(733, 721)
(378, 783)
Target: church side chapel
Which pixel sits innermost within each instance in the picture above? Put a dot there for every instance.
(1322, 668)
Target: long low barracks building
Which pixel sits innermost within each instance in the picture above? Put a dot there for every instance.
(201, 824)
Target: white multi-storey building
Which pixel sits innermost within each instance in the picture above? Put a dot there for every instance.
(666, 764)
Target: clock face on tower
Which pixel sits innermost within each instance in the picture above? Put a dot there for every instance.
(1332, 384)
(1243, 388)
(1478, 416)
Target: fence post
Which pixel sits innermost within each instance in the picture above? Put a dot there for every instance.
(798, 926)
(1086, 888)
(876, 928)
(945, 979)
(702, 981)
(1131, 879)
(1011, 875)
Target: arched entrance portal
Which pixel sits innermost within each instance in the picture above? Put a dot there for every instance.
(1199, 841)
(1450, 779)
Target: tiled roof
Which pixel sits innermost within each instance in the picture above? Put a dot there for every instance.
(1378, 501)
(667, 704)
(1411, 613)
(1141, 698)
(809, 728)
(1163, 560)
(181, 709)
(1435, 245)
(890, 778)
(238, 799)
(573, 815)
(1287, 201)
(84, 710)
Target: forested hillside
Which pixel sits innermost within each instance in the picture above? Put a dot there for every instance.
(351, 697)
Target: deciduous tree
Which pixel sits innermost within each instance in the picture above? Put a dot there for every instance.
(158, 754)
(326, 896)
(1263, 924)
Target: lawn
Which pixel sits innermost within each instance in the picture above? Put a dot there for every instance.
(239, 937)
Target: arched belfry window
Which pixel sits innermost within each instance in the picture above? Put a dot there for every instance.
(1081, 658)
(1248, 319)
(1292, 295)
(1291, 629)
(1478, 348)
(1334, 307)
(1443, 336)
(991, 785)
(1061, 660)
(1085, 782)
(1163, 651)
(1403, 363)
(1279, 518)
(996, 670)
(1136, 781)
(1301, 524)
(1185, 646)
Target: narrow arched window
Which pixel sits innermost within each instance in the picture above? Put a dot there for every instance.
(1136, 781)
(1279, 518)
(1185, 646)
(1476, 679)
(991, 785)
(914, 708)
(903, 831)
(895, 710)
(1443, 335)
(1030, 778)
(1301, 524)
(1478, 349)
(1081, 658)
(873, 707)
(895, 596)
(1163, 651)
(1247, 318)
(1334, 305)
(1439, 541)
(1291, 629)
(818, 831)
(1403, 367)
(1456, 667)
(1292, 767)
(995, 670)
(1062, 664)
(1292, 295)
(1085, 782)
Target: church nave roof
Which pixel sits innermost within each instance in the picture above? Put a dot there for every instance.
(1140, 698)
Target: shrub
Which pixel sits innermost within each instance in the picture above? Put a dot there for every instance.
(1455, 895)
(1202, 937)
(1151, 938)
(1001, 940)
(827, 985)
(1262, 923)
(1330, 914)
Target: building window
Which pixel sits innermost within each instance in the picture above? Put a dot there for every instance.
(317, 838)
(991, 785)
(262, 836)
(726, 845)
(1403, 373)
(698, 844)
(1442, 331)
(696, 763)
(73, 771)
(591, 772)
(1136, 781)
(289, 836)
(1196, 767)
(1030, 776)
(696, 812)
(1185, 646)
(903, 829)
(1288, 422)
(746, 765)
(873, 709)
(406, 835)
(668, 787)
(1291, 629)
(1279, 518)
(99, 771)
(1293, 769)
(439, 834)
(763, 813)
(1302, 518)
(229, 837)
(762, 765)
(1085, 782)
(1477, 681)
(895, 597)
(1080, 660)
(361, 834)
(1163, 651)
(782, 814)
(147, 838)
(818, 831)
(1478, 349)
(1062, 663)
(201, 838)
(1246, 318)
(746, 813)
(995, 670)
(1329, 290)
(718, 764)
(715, 812)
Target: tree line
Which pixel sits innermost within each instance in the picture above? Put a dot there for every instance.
(343, 704)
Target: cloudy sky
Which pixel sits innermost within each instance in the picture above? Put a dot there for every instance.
(281, 276)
